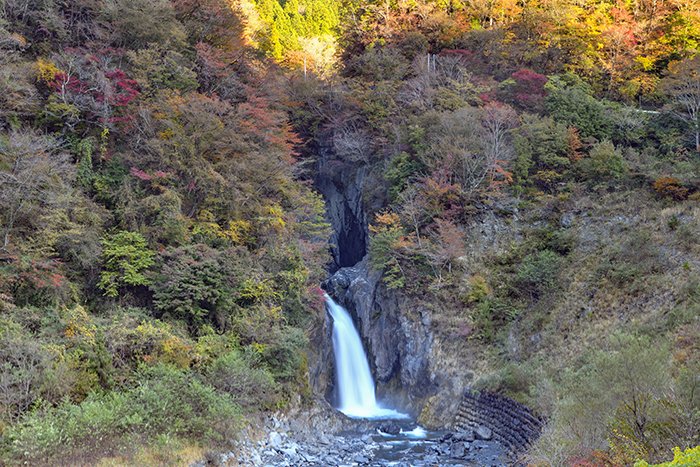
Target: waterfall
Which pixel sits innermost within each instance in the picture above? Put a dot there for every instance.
(354, 380)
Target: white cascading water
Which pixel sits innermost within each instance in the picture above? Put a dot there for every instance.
(354, 379)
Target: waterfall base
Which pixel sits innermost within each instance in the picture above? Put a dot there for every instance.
(373, 413)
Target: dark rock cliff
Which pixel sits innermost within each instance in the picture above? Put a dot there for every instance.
(342, 186)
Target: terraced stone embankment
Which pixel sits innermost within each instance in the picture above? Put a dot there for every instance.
(512, 423)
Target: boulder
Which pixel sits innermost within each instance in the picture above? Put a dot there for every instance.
(467, 436)
(482, 432)
(458, 450)
(360, 459)
(390, 428)
(275, 440)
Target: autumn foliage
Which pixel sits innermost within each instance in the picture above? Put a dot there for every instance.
(670, 187)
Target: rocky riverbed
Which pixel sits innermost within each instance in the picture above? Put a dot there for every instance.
(341, 441)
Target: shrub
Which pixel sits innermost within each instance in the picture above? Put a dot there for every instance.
(125, 258)
(538, 273)
(670, 187)
(379, 63)
(159, 68)
(399, 172)
(525, 88)
(137, 23)
(617, 398)
(490, 315)
(385, 242)
(688, 458)
(638, 256)
(570, 100)
(249, 386)
(285, 353)
(544, 150)
(478, 289)
(159, 217)
(514, 380)
(604, 161)
(134, 340)
(22, 364)
(173, 401)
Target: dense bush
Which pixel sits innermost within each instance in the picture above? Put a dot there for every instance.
(570, 101)
(490, 315)
(166, 401)
(545, 152)
(604, 161)
(251, 387)
(687, 458)
(125, 257)
(196, 283)
(384, 248)
(670, 187)
(133, 339)
(22, 372)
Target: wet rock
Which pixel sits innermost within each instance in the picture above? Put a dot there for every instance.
(444, 449)
(290, 451)
(292, 456)
(390, 428)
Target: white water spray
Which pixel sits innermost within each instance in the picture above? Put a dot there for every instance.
(354, 379)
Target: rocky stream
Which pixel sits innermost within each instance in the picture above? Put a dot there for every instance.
(367, 443)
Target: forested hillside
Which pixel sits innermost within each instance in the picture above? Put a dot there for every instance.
(160, 248)
(533, 185)
(534, 192)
